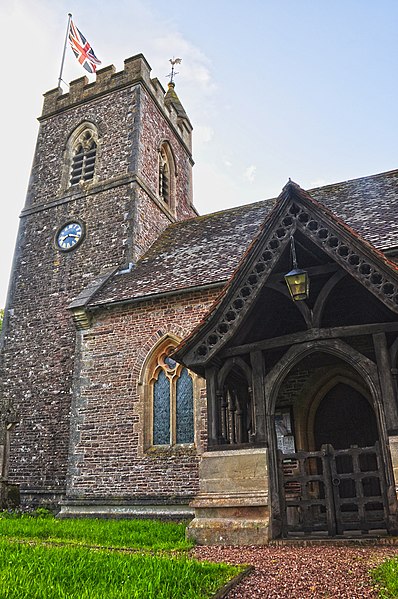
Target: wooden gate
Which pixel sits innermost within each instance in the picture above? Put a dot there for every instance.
(333, 491)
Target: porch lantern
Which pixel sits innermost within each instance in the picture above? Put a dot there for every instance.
(297, 280)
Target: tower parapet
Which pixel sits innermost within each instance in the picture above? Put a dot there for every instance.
(108, 80)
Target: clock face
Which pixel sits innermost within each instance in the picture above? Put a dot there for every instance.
(69, 236)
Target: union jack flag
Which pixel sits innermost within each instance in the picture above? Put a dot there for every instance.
(82, 49)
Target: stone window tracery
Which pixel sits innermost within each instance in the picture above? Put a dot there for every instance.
(83, 157)
(171, 397)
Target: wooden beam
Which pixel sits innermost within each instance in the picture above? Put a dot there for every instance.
(317, 312)
(394, 365)
(386, 382)
(313, 271)
(213, 419)
(394, 354)
(302, 307)
(311, 335)
(257, 362)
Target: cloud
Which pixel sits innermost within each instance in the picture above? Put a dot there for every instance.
(203, 134)
(195, 65)
(250, 173)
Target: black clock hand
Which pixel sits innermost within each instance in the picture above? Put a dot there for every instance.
(68, 235)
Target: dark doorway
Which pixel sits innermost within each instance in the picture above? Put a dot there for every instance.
(333, 491)
(344, 419)
(339, 488)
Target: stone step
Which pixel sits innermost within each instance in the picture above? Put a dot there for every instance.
(336, 541)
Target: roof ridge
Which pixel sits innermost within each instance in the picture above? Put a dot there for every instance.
(375, 176)
(274, 198)
(224, 211)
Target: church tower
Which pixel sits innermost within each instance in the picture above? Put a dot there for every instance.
(112, 169)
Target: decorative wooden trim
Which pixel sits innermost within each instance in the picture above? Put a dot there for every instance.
(351, 253)
(228, 365)
(311, 335)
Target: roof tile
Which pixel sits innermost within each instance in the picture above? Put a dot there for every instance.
(206, 249)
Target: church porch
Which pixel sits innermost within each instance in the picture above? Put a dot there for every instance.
(307, 385)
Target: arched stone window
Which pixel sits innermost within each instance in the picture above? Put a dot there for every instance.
(167, 174)
(169, 398)
(83, 152)
(164, 177)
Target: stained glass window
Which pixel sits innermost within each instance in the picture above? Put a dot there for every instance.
(161, 410)
(184, 408)
(172, 401)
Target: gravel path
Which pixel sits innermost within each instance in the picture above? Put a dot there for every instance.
(302, 572)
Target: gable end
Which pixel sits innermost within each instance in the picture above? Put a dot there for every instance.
(296, 210)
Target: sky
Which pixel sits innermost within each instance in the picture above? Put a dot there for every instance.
(305, 89)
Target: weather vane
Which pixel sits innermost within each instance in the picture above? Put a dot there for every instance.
(173, 61)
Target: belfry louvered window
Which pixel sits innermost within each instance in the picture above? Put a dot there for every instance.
(172, 403)
(164, 177)
(83, 158)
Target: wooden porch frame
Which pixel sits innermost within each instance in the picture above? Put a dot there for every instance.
(386, 419)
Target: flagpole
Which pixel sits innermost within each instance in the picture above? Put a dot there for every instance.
(63, 53)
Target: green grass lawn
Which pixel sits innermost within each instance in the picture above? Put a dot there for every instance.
(158, 567)
(386, 578)
(138, 534)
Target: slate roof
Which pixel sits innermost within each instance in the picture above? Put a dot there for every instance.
(172, 98)
(206, 249)
(369, 205)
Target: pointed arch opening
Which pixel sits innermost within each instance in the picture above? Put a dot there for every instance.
(169, 391)
(166, 176)
(344, 418)
(335, 476)
(235, 404)
(321, 395)
(81, 155)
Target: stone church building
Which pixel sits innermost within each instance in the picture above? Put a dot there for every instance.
(155, 363)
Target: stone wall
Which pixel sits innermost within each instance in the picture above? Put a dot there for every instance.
(107, 453)
(152, 133)
(40, 337)
(122, 217)
(116, 118)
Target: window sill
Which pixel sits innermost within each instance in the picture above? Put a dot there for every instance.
(172, 450)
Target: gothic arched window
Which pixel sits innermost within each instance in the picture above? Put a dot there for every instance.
(170, 392)
(83, 155)
(164, 177)
(167, 173)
